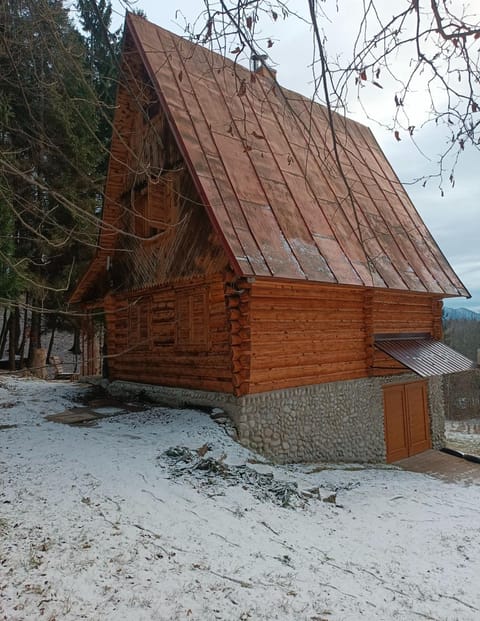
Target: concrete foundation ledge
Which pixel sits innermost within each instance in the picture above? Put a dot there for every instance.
(173, 397)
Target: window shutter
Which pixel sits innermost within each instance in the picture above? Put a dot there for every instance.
(183, 319)
(198, 318)
(192, 319)
(139, 210)
(138, 325)
(156, 205)
(158, 209)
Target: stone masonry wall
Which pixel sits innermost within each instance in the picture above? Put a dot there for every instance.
(437, 410)
(338, 421)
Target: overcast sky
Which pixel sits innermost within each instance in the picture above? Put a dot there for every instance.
(454, 220)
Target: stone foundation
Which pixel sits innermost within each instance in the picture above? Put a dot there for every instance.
(437, 410)
(338, 421)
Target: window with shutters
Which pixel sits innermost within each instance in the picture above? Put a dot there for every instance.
(156, 205)
(192, 319)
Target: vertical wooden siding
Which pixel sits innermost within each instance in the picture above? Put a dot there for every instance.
(162, 352)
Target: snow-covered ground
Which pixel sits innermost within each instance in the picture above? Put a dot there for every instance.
(98, 523)
(464, 435)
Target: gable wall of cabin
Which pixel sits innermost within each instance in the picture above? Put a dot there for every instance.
(307, 333)
(162, 230)
(166, 321)
(173, 335)
(187, 248)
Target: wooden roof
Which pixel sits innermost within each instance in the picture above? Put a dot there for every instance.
(262, 160)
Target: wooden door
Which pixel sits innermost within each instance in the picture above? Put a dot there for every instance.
(418, 419)
(407, 424)
(396, 432)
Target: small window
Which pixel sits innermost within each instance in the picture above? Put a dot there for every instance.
(156, 205)
(192, 319)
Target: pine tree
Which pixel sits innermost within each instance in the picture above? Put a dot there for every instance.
(49, 151)
(103, 54)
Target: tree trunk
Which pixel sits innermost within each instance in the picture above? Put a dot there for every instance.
(4, 332)
(12, 340)
(39, 363)
(21, 349)
(35, 337)
(52, 338)
(76, 348)
(17, 327)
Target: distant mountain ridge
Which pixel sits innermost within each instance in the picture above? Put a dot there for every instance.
(460, 314)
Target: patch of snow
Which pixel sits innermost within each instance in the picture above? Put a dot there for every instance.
(95, 526)
(108, 410)
(464, 435)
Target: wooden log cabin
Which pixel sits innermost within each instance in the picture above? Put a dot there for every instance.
(241, 264)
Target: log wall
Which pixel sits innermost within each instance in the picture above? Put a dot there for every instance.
(237, 301)
(401, 313)
(146, 342)
(229, 335)
(306, 333)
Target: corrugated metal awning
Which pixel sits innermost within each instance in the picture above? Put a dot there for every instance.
(425, 356)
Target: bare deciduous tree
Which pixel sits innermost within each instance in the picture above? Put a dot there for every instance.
(421, 59)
